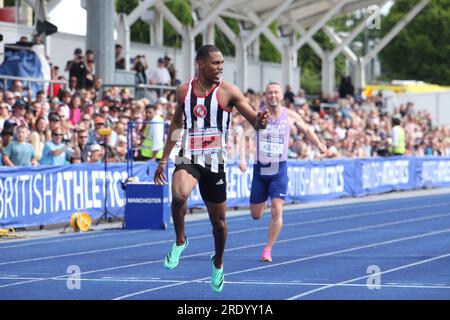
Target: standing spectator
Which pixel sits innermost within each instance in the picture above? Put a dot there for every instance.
(55, 151)
(19, 152)
(79, 71)
(90, 69)
(140, 65)
(346, 87)
(160, 75)
(18, 115)
(152, 147)
(38, 137)
(120, 61)
(289, 95)
(6, 137)
(69, 63)
(398, 145)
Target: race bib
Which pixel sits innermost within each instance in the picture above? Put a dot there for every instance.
(206, 140)
(274, 147)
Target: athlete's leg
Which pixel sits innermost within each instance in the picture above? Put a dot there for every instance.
(277, 222)
(257, 209)
(182, 185)
(217, 212)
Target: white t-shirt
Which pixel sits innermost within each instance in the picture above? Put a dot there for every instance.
(160, 75)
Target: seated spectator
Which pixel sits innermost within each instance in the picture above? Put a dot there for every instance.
(95, 154)
(38, 137)
(19, 152)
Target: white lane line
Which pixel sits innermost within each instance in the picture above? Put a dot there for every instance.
(83, 237)
(79, 253)
(273, 265)
(243, 282)
(367, 276)
(294, 210)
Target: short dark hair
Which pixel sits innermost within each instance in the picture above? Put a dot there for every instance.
(204, 51)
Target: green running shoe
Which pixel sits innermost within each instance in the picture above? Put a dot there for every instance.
(217, 277)
(173, 257)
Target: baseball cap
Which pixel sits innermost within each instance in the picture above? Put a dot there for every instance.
(95, 147)
(54, 117)
(160, 60)
(77, 51)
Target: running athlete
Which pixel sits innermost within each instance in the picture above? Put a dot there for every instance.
(270, 170)
(202, 118)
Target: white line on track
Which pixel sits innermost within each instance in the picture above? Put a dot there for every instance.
(83, 253)
(367, 276)
(243, 282)
(326, 254)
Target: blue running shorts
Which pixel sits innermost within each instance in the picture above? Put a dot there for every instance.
(265, 185)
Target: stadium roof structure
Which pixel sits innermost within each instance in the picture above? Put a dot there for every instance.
(298, 22)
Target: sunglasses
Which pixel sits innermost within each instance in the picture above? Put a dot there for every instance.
(57, 134)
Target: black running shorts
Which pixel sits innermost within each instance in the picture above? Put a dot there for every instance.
(213, 186)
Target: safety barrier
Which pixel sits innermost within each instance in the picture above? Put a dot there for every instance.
(44, 195)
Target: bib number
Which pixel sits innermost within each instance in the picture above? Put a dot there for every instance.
(201, 141)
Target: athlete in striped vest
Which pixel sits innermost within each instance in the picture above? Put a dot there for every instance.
(201, 121)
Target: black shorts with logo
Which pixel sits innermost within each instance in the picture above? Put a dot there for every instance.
(213, 186)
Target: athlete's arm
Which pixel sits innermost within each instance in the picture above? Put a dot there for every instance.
(174, 135)
(257, 119)
(304, 129)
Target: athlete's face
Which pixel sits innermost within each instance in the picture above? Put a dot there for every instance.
(212, 67)
(273, 95)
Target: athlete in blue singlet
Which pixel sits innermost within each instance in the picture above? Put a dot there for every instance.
(270, 170)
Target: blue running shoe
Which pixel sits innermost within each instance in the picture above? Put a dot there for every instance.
(217, 277)
(173, 257)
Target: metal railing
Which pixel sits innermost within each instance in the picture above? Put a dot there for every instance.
(144, 87)
(26, 80)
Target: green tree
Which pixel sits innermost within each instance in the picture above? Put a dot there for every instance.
(421, 50)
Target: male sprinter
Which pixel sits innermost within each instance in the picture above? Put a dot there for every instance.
(203, 113)
(270, 170)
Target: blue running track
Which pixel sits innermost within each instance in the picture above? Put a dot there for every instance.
(393, 249)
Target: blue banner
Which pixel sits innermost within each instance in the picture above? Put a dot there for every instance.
(42, 195)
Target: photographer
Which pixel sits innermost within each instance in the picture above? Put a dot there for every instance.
(56, 152)
(78, 70)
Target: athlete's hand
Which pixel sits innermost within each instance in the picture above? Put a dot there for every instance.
(261, 119)
(242, 166)
(322, 148)
(160, 175)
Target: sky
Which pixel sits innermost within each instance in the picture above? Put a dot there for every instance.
(70, 17)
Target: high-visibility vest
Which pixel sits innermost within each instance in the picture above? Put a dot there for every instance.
(147, 144)
(401, 147)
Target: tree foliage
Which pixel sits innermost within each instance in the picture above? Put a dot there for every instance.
(421, 50)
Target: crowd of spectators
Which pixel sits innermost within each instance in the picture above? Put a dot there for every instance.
(63, 128)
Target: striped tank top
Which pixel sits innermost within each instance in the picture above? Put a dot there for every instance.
(205, 126)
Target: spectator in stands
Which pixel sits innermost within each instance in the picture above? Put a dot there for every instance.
(5, 110)
(140, 65)
(10, 98)
(121, 149)
(19, 152)
(18, 115)
(38, 137)
(153, 144)
(79, 71)
(398, 144)
(346, 87)
(56, 152)
(54, 89)
(120, 61)
(6, 137)
(90, 69)
(160, 75)
(96, 154)
(94, 137)
(81, 148)
(75, 110)
(289, 95)
(77, 52)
